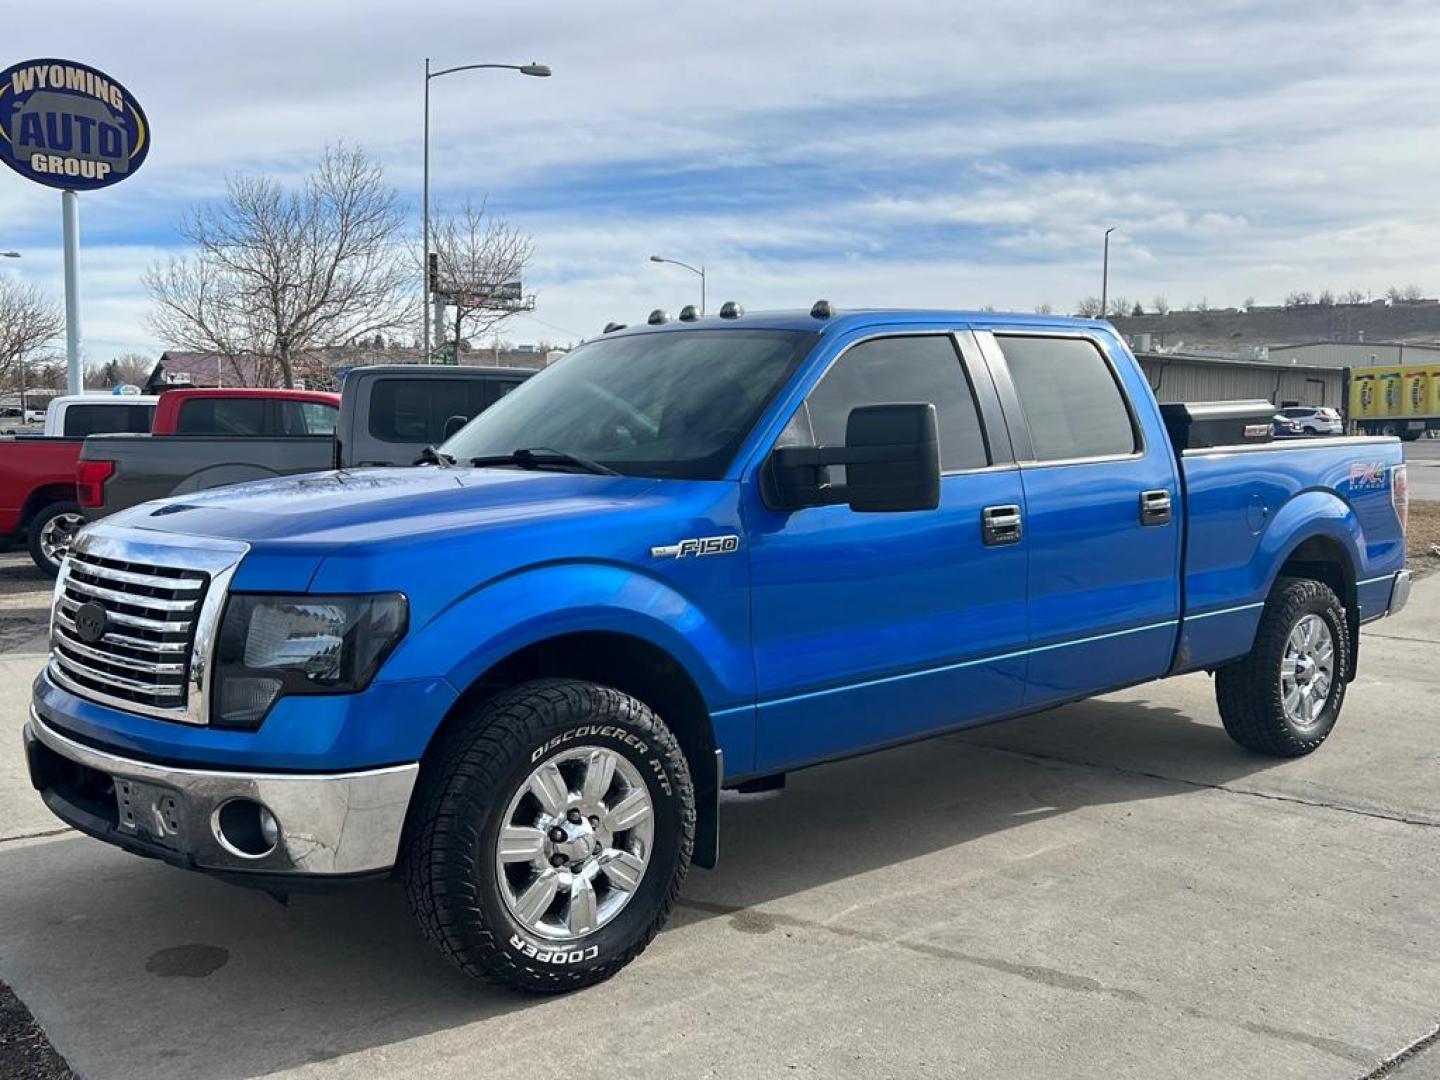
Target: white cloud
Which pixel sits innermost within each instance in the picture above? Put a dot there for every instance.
(917, 152)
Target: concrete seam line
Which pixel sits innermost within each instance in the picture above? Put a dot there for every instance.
(1399, 819)
(1388, 1066)
(35, 835)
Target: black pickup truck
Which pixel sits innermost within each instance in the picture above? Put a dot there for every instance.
(388, 416)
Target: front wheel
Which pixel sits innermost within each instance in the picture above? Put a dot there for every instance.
(1284, 698)
(550, 835)
(52, 531)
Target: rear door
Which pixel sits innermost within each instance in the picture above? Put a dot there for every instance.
(1104, 554)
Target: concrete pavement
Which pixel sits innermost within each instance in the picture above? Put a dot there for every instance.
(1423, 457)
(1112, 889)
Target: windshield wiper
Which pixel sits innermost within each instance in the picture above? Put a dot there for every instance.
(431, 456)
(543, 457)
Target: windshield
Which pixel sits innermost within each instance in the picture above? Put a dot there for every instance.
(675, 404)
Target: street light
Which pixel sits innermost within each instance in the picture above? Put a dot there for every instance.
(539, 71)
(700, 270)
(1105, 276)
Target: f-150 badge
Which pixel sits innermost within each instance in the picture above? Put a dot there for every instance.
(700, 545)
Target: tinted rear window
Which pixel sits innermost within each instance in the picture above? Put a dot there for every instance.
(81, 420)
(415, 410)
(1073, 405)
(224, 416)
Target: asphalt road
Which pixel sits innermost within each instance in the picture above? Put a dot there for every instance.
(1423, 457)
(1110, 890)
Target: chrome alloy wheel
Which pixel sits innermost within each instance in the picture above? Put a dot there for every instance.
(57, 534)
(1307, 671)
(575, 842)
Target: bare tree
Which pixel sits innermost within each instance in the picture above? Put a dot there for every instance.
(475, 254)
(1326, 298)
(29, 321)
(279, 271)
(1352, 296)
(1089, 307)
(127, 369)
(1160, 306)
(1247, 303)
(1299, 299)
(1044, 309)
(1411, 293)
(1119, 307)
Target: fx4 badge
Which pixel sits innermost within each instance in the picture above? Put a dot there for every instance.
(700, 545)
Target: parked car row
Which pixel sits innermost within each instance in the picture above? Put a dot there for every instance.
(101, 453)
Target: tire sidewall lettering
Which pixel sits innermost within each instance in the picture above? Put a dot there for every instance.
(552, 956)
(640, 749)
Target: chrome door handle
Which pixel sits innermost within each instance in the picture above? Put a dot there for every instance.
(1001, 525)
(1155, 507)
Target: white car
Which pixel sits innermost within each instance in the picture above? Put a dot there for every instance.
(1314, 420)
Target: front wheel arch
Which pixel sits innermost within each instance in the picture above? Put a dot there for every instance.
(629, 664)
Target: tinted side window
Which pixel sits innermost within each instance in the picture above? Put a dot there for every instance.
(415, 411)
(307, 418)
(889, 371)
(83, 420)
(1072, 403)
(223, 416)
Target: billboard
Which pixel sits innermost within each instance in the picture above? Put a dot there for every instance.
(67, 125)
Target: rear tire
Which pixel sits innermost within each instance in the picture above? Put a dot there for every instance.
(51, 532)
(1284, 698)
(550, 835)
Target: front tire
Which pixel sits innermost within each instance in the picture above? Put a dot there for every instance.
(1284, 698)
(551, 833)
(52, 530)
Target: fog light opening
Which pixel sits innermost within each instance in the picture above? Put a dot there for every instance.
(246, 829)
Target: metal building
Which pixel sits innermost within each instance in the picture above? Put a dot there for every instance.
(1203, 378)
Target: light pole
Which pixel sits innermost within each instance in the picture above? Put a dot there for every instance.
(1105, 276)
(700, 270)
(532, 68)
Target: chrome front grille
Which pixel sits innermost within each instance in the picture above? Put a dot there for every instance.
(161, 605)
(150, 612)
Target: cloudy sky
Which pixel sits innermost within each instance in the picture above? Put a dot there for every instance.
(911, 152)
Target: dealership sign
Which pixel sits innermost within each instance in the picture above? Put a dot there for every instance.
(69, 126)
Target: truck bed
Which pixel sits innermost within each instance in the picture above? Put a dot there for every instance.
(1243, 506)
(154, 466)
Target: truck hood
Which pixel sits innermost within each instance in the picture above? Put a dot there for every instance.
(366, 506)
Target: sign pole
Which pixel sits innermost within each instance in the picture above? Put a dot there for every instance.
(70, 216)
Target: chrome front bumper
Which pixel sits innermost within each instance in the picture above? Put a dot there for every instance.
(330, 825)
(1400, 592)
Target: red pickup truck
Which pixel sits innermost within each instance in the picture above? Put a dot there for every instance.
(38, 473)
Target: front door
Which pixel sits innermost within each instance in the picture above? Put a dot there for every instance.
(871, 628)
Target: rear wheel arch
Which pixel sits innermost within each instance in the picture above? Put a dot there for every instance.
(630, 664)
(42, 497)
(1323, 558)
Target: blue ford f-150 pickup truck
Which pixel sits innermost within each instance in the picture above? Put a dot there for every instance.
(691, 555)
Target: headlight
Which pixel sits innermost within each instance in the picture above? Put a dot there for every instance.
(270, 646)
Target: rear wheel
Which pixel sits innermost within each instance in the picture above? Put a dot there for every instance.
(52, 531)
(1284, 698)
(551, 835)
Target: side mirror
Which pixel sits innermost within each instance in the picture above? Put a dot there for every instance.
(453, 425)
(891, 457)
